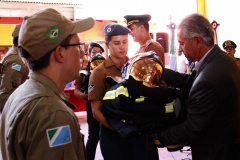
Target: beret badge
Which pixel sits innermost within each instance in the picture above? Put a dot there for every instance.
(109, 29)
(227, 43)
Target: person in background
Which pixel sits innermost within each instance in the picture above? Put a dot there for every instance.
(95, 48)
(36, 114)
(85, 58)
(182, 63)
(140, 32)
(212, 123)
(230, 49)
(80, 91)
(14, 70)
(113, 145)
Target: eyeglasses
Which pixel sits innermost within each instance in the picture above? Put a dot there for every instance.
(81, 45)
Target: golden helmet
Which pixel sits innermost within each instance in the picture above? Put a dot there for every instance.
(95, 61)
(144, 67)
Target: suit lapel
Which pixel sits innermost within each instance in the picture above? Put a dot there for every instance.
(188, 85)
(194, 74)
(208, 58)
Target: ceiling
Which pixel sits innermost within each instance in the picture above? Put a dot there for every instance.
(62, 2)
(101, 9)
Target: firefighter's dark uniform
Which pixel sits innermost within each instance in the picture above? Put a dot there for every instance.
(111, 142)
(134, 109)
(137, 115)
(148, 45)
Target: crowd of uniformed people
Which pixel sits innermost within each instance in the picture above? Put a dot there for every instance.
(134, 104)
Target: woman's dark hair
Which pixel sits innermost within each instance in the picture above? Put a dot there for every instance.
(43, 62)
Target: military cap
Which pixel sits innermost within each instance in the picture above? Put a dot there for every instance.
(43, 31)
(114, 30)
(16, 30)
(229, 43)
(94, 44)
(130, 19)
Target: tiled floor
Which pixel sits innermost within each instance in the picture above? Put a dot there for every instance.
(163, 153)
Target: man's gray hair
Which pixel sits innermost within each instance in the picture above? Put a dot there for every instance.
(197, 25)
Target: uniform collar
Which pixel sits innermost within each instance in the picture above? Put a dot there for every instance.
(14, 50)
(46, 81)
(51, 85)
(147, 43)
(202, 59)
(236, 59)
(109, 62)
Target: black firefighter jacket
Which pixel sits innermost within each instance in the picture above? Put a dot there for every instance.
(133, 109)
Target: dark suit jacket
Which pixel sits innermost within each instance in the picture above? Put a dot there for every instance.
(212, 127)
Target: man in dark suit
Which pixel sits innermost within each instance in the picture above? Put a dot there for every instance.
(212, 126)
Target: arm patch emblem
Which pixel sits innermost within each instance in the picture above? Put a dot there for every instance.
(16, 67)
(59, 136)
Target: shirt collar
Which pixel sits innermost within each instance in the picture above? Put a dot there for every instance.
(45, 81)
(109, 62)
(202, 59)
(147, 43)
(52, 86)
(14, 50)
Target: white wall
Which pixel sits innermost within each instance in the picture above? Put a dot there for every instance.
(227, 14)
(176, 9)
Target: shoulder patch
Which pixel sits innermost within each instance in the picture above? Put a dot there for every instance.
(16, 66)
(90, 87)
(59, 136)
